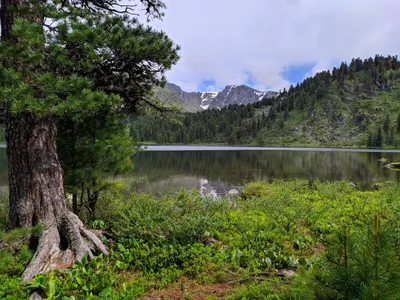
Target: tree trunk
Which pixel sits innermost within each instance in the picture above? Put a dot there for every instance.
(75, 208)
(37, 195)
(92, 201)
(35, 174)
(36, 181)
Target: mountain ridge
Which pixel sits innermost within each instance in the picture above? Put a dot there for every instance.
(231, 94)
(352, 105)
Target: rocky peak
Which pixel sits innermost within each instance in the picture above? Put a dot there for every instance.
(231, 94)
(239, 94)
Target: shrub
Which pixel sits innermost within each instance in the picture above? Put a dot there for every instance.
(11, 288)
(182, 219)
(360, 263)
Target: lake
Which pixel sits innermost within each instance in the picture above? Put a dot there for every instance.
(216, 170)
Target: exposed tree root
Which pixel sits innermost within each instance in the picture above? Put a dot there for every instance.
(61, 244)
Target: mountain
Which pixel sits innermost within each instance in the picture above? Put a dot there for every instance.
(198, 101)
(173, 98)
(239, 94)
(352, 105)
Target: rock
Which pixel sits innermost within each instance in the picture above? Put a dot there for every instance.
(393, 166)
(286, 273)
(239, 94)
(35, 296)
(233, 192)
(231, 94)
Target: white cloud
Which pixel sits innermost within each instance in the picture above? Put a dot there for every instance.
(211, 88)
(225, 40)
(318, 67)
(186, 86)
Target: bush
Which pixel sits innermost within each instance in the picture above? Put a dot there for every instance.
(360, 263)
(11, 288)
(273, 229)
(14, 249)
(84, 280)
(184, 219)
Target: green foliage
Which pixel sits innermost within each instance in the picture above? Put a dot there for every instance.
(90, 147)
(92, 150)
(11, 288)
(256, 291)
(108, 204)
(184, 218)
(84, 61)
(337, 242)
(242, 234)
(2, 135)
(14, 262)
(14, 249)
(3, 213)
(360, 263)
(344, 107)
(85, 279)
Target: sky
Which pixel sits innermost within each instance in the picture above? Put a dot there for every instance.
(270, 44)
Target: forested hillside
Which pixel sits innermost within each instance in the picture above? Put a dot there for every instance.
(356, 104)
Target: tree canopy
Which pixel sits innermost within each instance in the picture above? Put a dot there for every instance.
(76, 61)
(79, 57)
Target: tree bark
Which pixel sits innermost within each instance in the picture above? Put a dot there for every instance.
(35, 174)
(7, 17)
(75, 203)
(37, 195)
(92, 201)
(36, 182)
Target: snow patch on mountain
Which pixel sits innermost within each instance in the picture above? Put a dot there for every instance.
(239, 94)
(260, 95)
(231, 94)
(230, 89)
(206, 99)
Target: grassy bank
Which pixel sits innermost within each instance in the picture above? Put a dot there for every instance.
(280, 240)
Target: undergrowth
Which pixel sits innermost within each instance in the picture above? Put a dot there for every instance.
(284, 240)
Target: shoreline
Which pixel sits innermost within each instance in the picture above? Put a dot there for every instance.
(250, 148)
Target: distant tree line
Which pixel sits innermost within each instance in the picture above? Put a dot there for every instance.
(230, 124)
(238, 124)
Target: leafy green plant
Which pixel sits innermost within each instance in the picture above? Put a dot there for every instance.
(330, 246)
(85, 279)
(11, 288)
(98, 224)
(183, 219)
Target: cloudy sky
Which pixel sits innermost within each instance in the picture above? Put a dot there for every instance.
(269, 44)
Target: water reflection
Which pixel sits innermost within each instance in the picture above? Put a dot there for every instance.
(217, 172)
(224, 170)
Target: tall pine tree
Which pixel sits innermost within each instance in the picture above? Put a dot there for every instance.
(67, 57)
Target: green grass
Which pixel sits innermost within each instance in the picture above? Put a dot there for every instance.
(191, 247)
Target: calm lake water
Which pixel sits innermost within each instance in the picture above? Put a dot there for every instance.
(216, 170)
